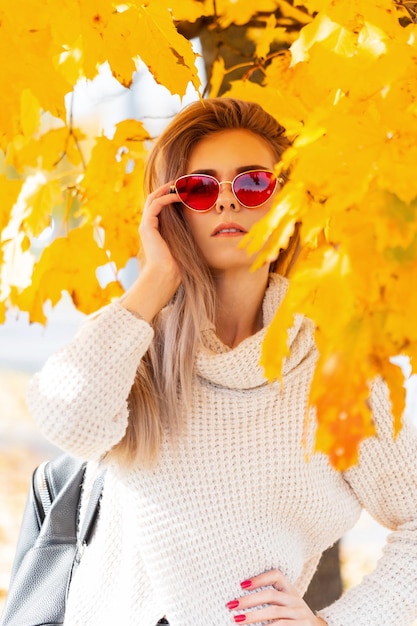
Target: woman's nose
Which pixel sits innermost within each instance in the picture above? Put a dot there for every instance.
(226, 199)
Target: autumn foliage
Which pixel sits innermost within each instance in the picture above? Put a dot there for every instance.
(342, 78)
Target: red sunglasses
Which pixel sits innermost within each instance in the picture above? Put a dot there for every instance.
(199, 192)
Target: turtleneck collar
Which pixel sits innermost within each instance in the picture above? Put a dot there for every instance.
(239, 368)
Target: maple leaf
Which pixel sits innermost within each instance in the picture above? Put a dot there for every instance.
(148, 29)
(269, 34)
(186, 10)
(39, 205)
(56, 272)
(241, 11)
(9, 192)
(112, 189)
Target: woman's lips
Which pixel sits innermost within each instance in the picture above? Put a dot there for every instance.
(229, 230)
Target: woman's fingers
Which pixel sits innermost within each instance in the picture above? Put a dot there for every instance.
(267, 596)
(278, 600)
(158, 199)
(274, 605)
(154, 247)
(273, 577)
(270, 615)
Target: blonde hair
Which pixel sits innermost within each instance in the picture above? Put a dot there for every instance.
(163, 383)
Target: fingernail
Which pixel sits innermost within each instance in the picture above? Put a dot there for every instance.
(239, 618)
(233, 604)
(246, 584)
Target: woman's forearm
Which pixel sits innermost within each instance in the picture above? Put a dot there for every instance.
(79, 398)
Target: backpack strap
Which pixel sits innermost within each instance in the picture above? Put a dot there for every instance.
(91, 514)
(85, 533)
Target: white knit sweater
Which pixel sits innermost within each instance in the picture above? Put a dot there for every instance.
(236, 497)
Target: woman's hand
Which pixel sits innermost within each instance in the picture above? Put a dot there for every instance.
(156, 254)
(159, 276)
(285, 606)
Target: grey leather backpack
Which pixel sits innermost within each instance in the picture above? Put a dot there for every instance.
(50, 543)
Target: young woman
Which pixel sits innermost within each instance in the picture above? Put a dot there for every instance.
(211, 512)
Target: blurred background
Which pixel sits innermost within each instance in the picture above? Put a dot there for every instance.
(99, 105)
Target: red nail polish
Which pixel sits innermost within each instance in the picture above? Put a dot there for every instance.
(246, 584)
(239, 618)
(233, 604)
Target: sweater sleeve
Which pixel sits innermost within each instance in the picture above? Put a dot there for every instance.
(79, 398)
(385, 482)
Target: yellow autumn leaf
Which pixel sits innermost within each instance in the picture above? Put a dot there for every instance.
(120, 47)
(318, 6)
(217, 75)
(318, 277)
(115, 167)
(395, 221)
(275, 346)
(241, 11)
(46, 84)
(64, 20)
(56, 271)
(68, 64)
(339, 168)
(397, 390)
(48, 151)
(289, 11)
(30, 70)
(289, 111)
(343, 411)
(343, 414)
(268, 35)
(30, 113)
(323, 28)
(355, 235)
(9, 192)
(186, 10)
(399, 325)
(272, 232)
(17, 264)
(332, 302)
(112, 189)
(131, 133)
(152, 30)
(396, 163)
(94, 22)
(383, 15)
(39, 205)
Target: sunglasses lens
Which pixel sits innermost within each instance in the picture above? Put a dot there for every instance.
(198, 192)
(253, 189)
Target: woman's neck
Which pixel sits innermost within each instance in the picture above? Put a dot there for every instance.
(239, 305)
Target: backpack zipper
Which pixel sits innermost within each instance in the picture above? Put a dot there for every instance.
(42, 488)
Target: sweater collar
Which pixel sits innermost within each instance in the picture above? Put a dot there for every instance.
(239, 368)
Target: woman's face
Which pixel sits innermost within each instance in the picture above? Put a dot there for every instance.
(219, 231)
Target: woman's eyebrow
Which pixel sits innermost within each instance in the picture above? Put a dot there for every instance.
(238, 170)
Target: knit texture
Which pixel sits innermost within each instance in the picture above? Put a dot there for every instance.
(236, 496)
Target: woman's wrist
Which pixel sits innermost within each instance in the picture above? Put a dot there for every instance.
(134, 313)
(148, 295)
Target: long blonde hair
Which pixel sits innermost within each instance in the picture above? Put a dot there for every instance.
(163, 383)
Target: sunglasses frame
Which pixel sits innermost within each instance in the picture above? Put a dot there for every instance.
(278, 180)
